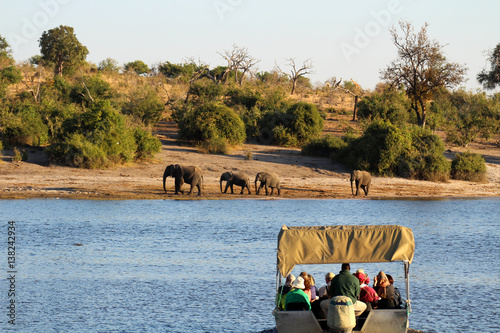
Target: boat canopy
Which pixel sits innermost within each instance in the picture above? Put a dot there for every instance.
(343, 244)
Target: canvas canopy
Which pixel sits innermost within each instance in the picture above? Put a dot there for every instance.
(343, 244)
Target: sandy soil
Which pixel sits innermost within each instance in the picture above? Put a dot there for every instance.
(302, 176)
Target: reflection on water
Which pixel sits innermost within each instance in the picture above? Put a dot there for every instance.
(210, 266)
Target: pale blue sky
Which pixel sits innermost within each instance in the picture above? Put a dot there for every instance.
(348, 39)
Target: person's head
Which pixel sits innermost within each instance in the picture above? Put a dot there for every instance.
(367, 278)
(307, 284)
(382, 278)
(289, 279)
(304, 275)
(298, 283)
(346, 267)
(311, 280)
(329, 277)
(361, 276)
(390, 279)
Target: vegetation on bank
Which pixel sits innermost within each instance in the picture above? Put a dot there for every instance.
(97, 116)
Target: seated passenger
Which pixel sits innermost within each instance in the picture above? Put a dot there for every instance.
(367, 294)
(323, 291)
(386, 292)
(314, 289)
(345, 284)
(296, 299)
(397, 293)
(281, 295)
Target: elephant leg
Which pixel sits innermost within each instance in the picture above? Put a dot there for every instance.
(248, 188)
(227, 186)
(279, 191)
(199, 189)
(191, 189)
(367, 189)
(266, 189)
(178, 186)
(357, 187)
(232, 190)
(272, 190)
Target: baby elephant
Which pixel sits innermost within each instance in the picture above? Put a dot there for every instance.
(235, 178)
(267, 179)
(363, 179)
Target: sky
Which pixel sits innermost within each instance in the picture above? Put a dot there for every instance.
(343, 39)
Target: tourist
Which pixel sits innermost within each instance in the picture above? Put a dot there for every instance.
(323, 291)
(296, 299)
(281, 295)
(385, 290)
(367, 294)
(346, 284)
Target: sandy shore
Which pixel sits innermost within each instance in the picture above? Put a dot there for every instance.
(302, 176)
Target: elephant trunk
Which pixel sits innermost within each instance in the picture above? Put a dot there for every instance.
(221, 184)
(352, 189)
(165, 175)
(256, 190)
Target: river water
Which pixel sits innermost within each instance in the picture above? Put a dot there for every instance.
(210, 265)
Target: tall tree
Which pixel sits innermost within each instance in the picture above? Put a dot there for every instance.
(238, 59)
(138, 66)
(421, 68)
(491, 79)
(9, 73)
(296, 73)
(61, 47)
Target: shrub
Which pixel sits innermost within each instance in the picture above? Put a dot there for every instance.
(390, 105)
(205, 91)
(214, 146)
(90, 89)
(301, 122)
(147, 144)
(468, 166)
(146, 105)
(210, 121)
(77, 150)
(95, 138)
(324, 147)
(388, 150)
(24, 126)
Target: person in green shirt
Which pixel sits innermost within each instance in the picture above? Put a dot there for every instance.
(346, 284)
(297, 299)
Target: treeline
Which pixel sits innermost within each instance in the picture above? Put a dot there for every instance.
(94, 116)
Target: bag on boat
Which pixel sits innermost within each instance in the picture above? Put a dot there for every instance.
(341, 313)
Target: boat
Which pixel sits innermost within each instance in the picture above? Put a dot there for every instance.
(344, 244)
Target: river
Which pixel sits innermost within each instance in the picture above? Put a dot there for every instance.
(210, 265)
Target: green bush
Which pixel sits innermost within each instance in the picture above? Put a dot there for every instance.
(390, 105)
(214, 146)
(210, 121)
(425, 160)
(77, 150)
(324, 147)
(90, 89)
(147, 144)
(388, 150)
(468, 166)
(100, 135)
(146, 105)
(300, 123)
(24, 126)
(205, 91)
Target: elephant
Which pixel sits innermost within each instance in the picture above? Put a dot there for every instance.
(183, 174)
(267, 179)
(235, 178)
(363, 179)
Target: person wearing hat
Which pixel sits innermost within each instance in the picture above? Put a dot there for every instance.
(283, 291)
(367, 294)
(297, 299)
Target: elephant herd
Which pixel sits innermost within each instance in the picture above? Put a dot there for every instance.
(193, 176)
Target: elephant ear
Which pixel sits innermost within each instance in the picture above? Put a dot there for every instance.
(177, 170)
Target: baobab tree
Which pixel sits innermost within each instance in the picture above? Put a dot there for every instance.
(296, 73)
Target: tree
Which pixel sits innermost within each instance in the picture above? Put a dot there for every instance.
(238, 59)
(296, 73)
(421, 68)
(137, 66)
(9, 74)
(61, 47)
(491, 79)
(109, 65)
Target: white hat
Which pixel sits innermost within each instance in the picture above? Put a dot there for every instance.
(299, 283)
